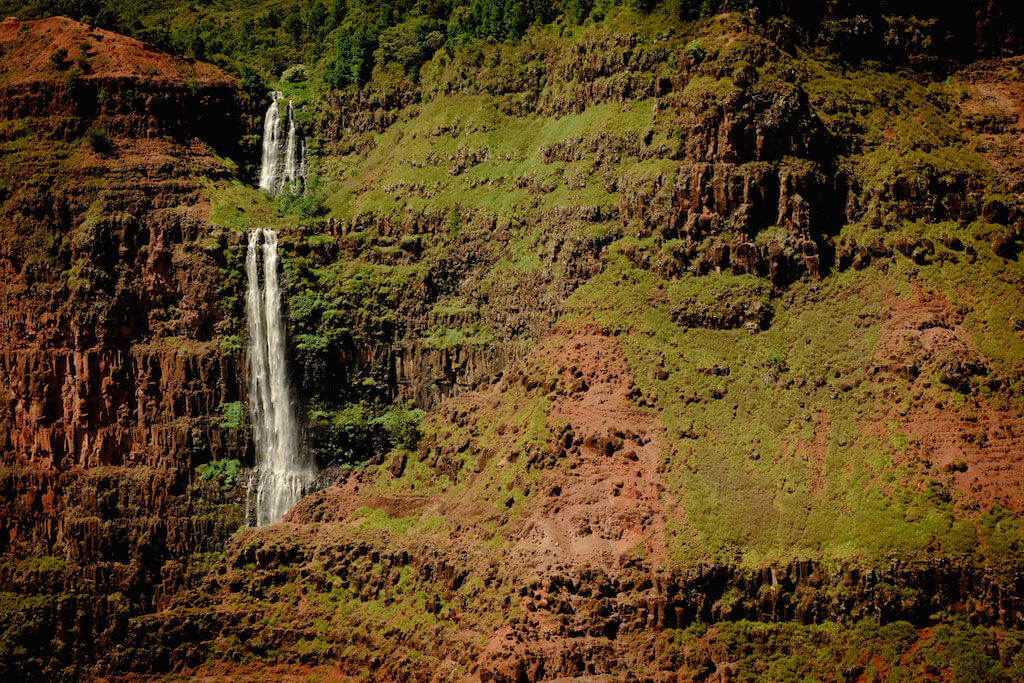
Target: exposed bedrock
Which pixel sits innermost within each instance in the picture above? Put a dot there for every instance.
(570, 622)
(112, 373)
(122, 372)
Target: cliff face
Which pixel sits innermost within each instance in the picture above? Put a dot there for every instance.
(749, 401)
(900, 30)
(731, 156)
(113, 378)
(716, 334)
(103, 259)
(718, 345)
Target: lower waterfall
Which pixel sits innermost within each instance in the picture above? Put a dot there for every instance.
(282, 473)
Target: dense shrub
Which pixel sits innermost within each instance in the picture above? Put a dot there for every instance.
(99, 140)
(295, 74)
(362, 431)
(340, 40)
(59, 59)
(224, 470)
(232, 415)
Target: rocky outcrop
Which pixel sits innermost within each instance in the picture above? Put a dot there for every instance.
(407, 350)
(113, 375)
(565, 624)
(98, 407)
(89, 548)
(903, 30)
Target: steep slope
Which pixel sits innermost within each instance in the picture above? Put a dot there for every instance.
(639, 349)
(764, 365)
(111, 371)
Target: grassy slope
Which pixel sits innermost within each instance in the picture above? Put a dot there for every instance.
(803, 449)
(803, 456)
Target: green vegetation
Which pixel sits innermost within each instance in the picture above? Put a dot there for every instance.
(780, 435)
(225, 471)
(99, 140)
(445, 338)
(895, 651)
(695, 49)
(337, 43)
(414, 604)
(232, 414)
(360, 430)
(488, 183)
(46, 563)
(59, 59)
(777, 422)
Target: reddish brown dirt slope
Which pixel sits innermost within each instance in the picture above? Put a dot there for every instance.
(28, 47)
(979, 450)
(994, 105)
(602, 500)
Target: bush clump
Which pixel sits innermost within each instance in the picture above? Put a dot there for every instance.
(295, 74)
(224, 470)
(232, 415)
(696, 50)
(59, 59)
(99, 140)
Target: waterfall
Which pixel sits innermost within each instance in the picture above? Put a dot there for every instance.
(282, 472)
(284, 153)
(271, 135)
(291, 157)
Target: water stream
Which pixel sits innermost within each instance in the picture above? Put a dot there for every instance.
(283, 473)
(283, 164)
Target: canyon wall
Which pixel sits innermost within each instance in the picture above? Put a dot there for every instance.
(708, 331)
(112, 371)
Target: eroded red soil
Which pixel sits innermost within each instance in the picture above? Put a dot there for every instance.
(29, 46)
(979, 445)
(600, 502)
(994, 105)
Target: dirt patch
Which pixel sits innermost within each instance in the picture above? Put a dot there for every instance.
(601, 504)
(31, 54)
(339, 501)
(814, 452)
(983, 453)
(597, 500)
(994, 108)
(922, 328)
(977, 447)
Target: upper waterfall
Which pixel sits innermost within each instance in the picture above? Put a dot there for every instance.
(283, 472)
(284, 151)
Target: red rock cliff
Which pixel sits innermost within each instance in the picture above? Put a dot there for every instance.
(112, 373)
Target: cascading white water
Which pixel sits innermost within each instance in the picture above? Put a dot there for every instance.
(271, 147)
(284, 154)
(292, 150)
(282, 472)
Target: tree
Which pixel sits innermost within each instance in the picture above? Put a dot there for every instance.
(339, 8)
(353, 53)
(508, 18)
(577, 10)
(316, 19)
(294, 27)
(462, 25)
(59, 59)
(252, 83)
(410, 44)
